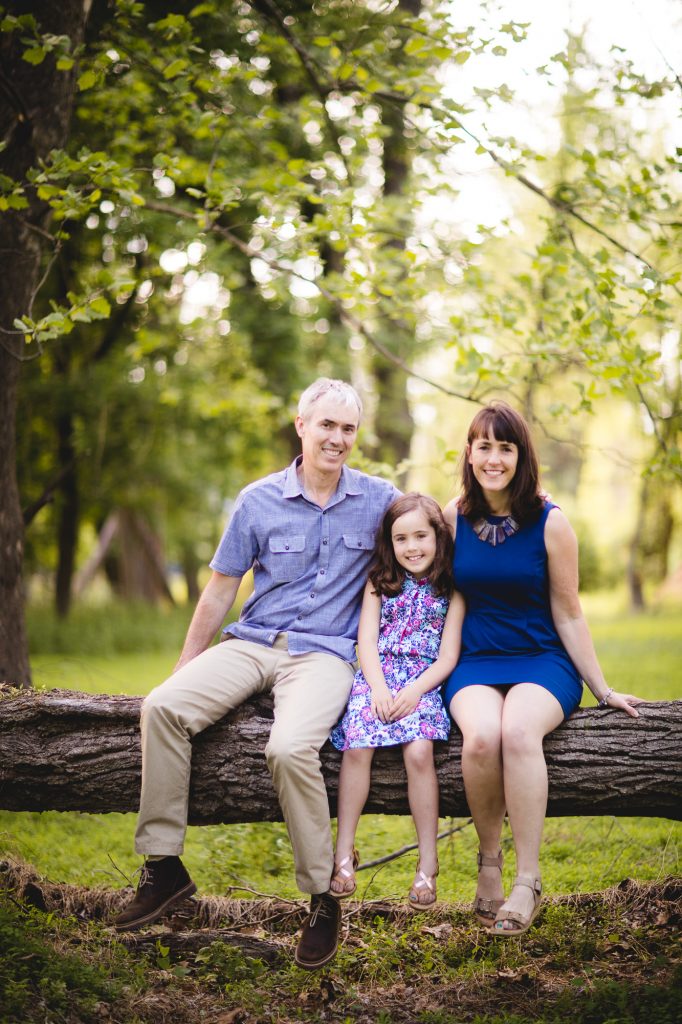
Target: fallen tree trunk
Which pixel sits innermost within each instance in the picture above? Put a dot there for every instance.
(68, 751)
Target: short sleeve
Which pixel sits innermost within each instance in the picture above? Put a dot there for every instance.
(238, 548)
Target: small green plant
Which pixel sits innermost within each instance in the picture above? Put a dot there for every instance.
(40, 979)
(227, 965)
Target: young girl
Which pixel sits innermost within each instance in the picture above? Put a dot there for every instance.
(408, 643)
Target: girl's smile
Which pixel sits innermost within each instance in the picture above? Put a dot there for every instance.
(414, 543)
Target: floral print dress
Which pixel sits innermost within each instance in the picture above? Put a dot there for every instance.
(410, 630)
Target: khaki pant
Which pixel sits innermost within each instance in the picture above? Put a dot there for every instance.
(310, 692)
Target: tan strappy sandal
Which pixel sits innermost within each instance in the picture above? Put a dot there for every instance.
(423, 891)
(484, 909)
(521, 922)
(344, 876)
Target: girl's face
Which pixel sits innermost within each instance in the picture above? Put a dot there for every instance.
(493, 463)
(414, 542)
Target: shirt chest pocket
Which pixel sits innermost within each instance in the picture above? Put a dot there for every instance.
(356, 552)
(287, 557)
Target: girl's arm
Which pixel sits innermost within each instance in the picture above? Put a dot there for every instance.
(448, 655)
(562, 560)
(368, 653)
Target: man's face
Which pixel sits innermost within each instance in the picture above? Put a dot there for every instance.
(327, 435)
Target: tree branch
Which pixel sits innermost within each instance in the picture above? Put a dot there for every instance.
(32, 510)
(344, 315)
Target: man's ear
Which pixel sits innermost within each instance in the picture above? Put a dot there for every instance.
(299, 424)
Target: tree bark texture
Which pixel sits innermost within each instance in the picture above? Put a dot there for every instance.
(35, 110)
(68, 751)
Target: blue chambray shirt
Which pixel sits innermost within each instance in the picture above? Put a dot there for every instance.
(309, 564)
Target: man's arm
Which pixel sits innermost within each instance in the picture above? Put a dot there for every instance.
(215, 602)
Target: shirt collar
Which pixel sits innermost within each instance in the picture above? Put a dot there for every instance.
(348, 483)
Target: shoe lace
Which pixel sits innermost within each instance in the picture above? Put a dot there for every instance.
(321, 909)
(146, 873)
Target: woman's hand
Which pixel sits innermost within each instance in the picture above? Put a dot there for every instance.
(405, 703)
(382, 703)
(624, 702)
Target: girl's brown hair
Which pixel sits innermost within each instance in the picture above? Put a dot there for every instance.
(385, 574)
(499, 421)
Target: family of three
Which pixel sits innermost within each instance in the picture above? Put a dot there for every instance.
(472, 611)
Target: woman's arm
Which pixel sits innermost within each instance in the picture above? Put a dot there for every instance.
(448, 655)
(562, 558)
(368, 653)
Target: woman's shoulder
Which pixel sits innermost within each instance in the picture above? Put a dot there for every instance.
(450, 513)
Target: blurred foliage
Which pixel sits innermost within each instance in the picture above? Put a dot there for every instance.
(225, 227)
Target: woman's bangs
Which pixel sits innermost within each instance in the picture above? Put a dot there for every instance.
(493, 422)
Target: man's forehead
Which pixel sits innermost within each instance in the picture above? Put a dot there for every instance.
(337, 412)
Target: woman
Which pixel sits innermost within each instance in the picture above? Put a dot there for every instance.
(525, 649)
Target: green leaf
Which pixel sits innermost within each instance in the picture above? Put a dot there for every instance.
(87, 80)
(34, 55)
(65, 63)
(100, 306)
(175, 68)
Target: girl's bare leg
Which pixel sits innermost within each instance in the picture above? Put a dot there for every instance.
(354, 780)
(422, 793)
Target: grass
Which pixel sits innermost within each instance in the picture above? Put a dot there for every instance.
(613, 957)
(640, 654)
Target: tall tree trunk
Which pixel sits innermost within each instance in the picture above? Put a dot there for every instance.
(393, 424)
(634, 569)
(35, 110)
(68, 509)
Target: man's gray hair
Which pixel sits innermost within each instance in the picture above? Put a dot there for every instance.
(339, 390)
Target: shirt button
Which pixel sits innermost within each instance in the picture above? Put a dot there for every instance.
(299, 616)
(286, 547)
(321, 572)
(313, 594)
(324, 541)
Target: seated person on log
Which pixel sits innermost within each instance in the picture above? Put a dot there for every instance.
(526, 648)
(408, 643)
(308, 532)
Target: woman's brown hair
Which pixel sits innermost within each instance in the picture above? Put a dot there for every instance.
(385, 574)
(499, 421)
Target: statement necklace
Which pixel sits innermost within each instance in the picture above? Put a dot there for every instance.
(495, 533)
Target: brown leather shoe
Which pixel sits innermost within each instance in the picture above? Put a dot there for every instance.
(320, 936)
(163, 883)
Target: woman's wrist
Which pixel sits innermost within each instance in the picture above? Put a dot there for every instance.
(604, 699)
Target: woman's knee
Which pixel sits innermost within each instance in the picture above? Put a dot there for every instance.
(521, 739)
(483, 741)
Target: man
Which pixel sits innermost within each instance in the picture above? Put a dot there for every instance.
(308, 533)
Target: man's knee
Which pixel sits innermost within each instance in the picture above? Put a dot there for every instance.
(287, 753)
(156, 701)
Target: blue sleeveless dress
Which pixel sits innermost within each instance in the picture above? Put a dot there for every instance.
(508, 635)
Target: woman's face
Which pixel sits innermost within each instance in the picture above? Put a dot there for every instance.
(493, 463)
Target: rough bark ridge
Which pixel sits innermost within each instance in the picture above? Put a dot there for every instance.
(68, 751)
(35, 110)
